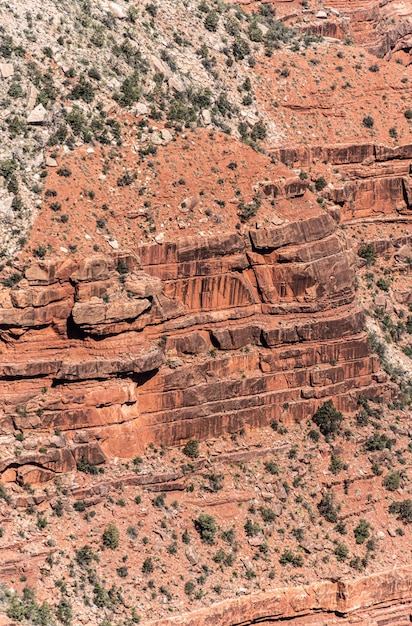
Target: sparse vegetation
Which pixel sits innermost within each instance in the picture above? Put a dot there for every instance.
(111, 537)
(206, 527)
(328, 419)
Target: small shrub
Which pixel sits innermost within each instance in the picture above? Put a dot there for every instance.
(403, 510)
(251, 528)
(314, 435)
(85, 556)
(259, 131)
(126, 179)
(337, 465)
(83, 91)
(383, 283)
(341, 551)
(64, 171)
(289, 557)
(172, 548)
(111, 537)
(267, 514)
(328, 418)
(328, 508)
(189, 588)
(272, 467)
(206, 527)
(211, 21)
(86, 466)
(240, 48)
(94, 73)
(191, 449)
(392, 481)
(361, 531)
(79, 506)
(368, 253)
(368, 121)
(228, 536)
(40, 252)
(41, 522)
(215, 482)
(320, 183)
(159, 500)
(123, 571)
(148, 567)
(378, 441)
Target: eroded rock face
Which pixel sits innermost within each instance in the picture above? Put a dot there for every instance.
(359, 601)
(187, 339)
(377, 177)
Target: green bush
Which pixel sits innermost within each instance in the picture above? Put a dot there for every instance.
(85, 556)
(64, 612)
(361, 531)
(272, 467)
(368, 253)
(240, 48)
(111, 537)
(378, 441)
(383, 283)
(337, 465)
(148, 567)
(123, 571)
(403, 510)
(86, 466)
(259, 131)
(392, 481)
(83, 91)
(267, 514)
(328, 419)
(251, 528)
(289, 557)
(191, 449)
(328, 508)
(211, 21)
(206, 527)
(189, 587)
(130, 91)
(341, 551)
(320, 183)
(254, 33)
(64, 171)
(314, 435)
(25, 608)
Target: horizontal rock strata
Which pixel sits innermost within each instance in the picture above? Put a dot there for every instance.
(378, 599)
(377, 177)
(188, 339)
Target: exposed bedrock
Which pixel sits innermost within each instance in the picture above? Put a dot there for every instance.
(376, 179)
(382, 28)
(378, 599)
(187, 339)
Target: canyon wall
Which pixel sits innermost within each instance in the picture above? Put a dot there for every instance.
(375, 181)
(195, 338)
(383, 598)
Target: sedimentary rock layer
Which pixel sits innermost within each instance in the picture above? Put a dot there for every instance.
(188, 339)
(382, 598)
(377, 178)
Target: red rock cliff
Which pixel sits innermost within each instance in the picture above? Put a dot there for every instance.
(187, 339)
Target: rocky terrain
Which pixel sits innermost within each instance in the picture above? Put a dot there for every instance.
(205, 313)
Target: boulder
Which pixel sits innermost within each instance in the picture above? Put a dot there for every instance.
(38, 116)
(6, 70)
